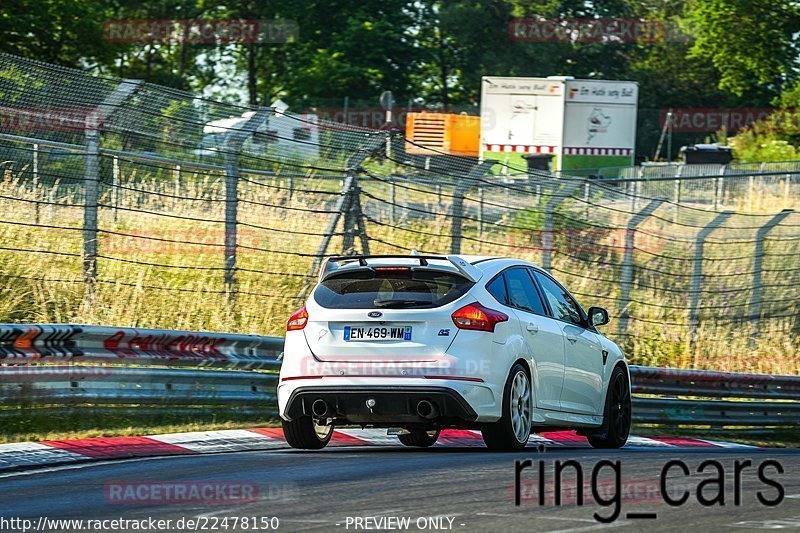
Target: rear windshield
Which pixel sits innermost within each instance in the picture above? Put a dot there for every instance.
(391, 289)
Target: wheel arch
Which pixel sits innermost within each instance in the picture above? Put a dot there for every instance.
(524, 362)
(620, 363)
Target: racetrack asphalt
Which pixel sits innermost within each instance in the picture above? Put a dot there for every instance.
(457, 488)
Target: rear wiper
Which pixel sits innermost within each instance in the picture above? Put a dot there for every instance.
(399, 303)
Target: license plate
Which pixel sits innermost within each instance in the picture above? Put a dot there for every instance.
(377, 333)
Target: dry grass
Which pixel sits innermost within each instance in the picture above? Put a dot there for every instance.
(189, 292)
(24, 425)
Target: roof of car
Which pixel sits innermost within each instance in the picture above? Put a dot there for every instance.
(478, 259)
(483, 262)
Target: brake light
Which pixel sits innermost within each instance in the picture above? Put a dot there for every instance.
(477, 317)
(298, 320)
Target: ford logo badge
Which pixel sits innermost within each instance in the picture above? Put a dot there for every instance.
(375, 314)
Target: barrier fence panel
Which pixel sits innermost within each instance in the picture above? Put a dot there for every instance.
(63, 367)
(129, 203)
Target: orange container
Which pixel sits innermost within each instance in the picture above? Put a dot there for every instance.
(442, 133)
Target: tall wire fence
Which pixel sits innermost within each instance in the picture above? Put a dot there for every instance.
(131, 204)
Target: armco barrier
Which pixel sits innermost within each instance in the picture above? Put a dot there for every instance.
(52, 343)
(53, 366)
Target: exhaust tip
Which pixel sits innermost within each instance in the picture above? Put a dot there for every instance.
(427, 410)
(319, 408)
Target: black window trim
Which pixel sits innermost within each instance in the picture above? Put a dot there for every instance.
(584, 319)
(505, 287)
(507, 303)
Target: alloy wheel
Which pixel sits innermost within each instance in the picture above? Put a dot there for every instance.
(521, 406)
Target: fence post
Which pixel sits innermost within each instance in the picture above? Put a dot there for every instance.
(234, 141)
(586, 191)
(461, 188)
(90, 199)
(788, 188)
(115, 193)
(480, 212)
(697, 273)
(36, 194)
(350, 192)
(349, 230)
(91, 183)
(758, 264)
(393, 200)
(178, 180)
(626, 275)
(678, 185)
(547, 225)
(718, 184)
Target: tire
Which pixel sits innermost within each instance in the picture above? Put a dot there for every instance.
(513, 429)
(617, 414)
(304, 434)
(419, 438)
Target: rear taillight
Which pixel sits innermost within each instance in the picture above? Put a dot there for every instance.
(475, 316)
(298, 320)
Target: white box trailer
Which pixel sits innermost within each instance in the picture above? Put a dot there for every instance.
(582, 123)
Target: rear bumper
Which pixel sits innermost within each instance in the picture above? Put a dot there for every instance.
(393, 404)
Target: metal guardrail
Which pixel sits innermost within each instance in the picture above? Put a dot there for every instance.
(64, 366)
(53, 343)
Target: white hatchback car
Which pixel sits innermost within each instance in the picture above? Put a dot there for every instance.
(419, 343)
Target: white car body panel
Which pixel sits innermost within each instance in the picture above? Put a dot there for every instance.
(569, 377)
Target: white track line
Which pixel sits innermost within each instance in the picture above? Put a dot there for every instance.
(34, 453)
(375, 437)
(727, 444)
(636, 441)
(228, 440)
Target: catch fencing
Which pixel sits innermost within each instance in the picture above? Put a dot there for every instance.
(59, 367)
(130, 203)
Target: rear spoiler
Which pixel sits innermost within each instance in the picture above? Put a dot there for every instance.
(466, 269)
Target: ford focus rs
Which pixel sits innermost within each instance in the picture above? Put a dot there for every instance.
(419, 343)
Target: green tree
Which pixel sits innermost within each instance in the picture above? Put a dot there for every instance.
(750, 42)
(68, 32)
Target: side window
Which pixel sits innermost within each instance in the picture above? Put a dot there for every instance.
(497, 288)
(522, 293)
(563, 305)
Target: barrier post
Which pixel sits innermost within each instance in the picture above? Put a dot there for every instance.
(349, 192)
(36, 195)
(477, 172)
(697, 273)
(758, 266)
(626, 275)
(234, 141)
(91, 183)
(559, 193)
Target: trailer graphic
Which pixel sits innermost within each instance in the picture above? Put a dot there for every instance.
(582, 123)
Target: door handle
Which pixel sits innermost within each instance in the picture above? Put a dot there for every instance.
(533, 328)
(572, 338)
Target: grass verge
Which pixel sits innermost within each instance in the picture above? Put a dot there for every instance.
(24, 425)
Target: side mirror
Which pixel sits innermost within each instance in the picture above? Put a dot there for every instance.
(598, 316)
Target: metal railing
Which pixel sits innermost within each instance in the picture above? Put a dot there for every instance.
(144, 204)
(68, 365)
